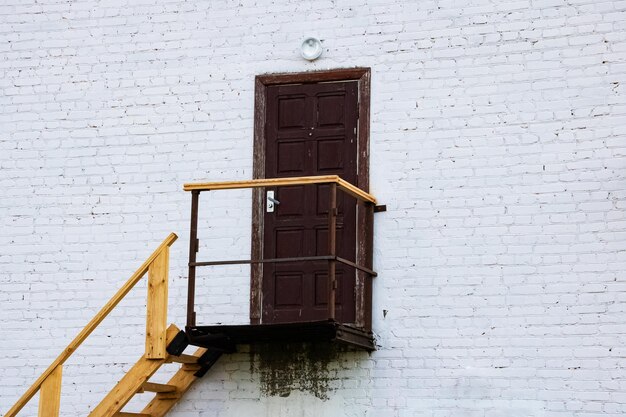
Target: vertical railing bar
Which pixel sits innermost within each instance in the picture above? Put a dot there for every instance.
(193, 249)
(369, 263)
(332, 249)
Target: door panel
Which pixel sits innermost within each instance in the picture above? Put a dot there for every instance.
(310, 130)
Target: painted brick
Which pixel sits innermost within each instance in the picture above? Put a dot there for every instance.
(497, 144)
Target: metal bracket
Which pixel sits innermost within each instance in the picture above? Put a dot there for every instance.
(178, 344)
(206, 361)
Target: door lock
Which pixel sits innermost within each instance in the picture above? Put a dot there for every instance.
(271, 202)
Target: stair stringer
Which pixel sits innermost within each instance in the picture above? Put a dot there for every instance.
(183, 379)
(133, 382)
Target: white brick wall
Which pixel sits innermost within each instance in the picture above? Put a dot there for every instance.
(497, 143)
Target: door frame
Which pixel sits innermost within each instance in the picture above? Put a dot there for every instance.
(364, 252)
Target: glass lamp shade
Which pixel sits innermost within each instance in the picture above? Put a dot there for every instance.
(311, 49)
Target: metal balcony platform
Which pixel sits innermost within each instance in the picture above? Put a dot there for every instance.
(226, 337)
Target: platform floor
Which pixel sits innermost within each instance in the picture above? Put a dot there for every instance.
(226, 337)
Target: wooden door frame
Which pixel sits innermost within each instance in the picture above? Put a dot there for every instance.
(362, 75)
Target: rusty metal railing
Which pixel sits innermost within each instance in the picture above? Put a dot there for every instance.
(335, 183)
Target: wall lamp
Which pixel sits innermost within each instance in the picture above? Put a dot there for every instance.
(311, 49)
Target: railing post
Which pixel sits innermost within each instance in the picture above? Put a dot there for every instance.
(156, 316)
(368, 263)
(332, 250)
(50, 394)
(193, 249)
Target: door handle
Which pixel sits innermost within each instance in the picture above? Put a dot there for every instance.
(271, 202)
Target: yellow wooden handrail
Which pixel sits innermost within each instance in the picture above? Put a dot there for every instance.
(276, 182)
(89, 328)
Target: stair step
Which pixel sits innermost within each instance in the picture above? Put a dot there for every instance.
(183, 359)
(154, 387)
(124, 414)
(168, 395)
(191, 367)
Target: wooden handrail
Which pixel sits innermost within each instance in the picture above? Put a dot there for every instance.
(276, 182)
(90, 327)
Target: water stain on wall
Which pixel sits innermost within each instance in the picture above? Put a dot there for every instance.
(308, 367)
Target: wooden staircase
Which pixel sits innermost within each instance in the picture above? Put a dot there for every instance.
(137, 381)
(164, 345)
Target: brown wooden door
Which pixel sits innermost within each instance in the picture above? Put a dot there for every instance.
(310, 130)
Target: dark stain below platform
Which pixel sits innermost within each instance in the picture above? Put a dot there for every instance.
(305, 367)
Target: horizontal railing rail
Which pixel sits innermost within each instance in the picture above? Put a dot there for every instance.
(281, 182)
(157, 268)
(286, 260)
